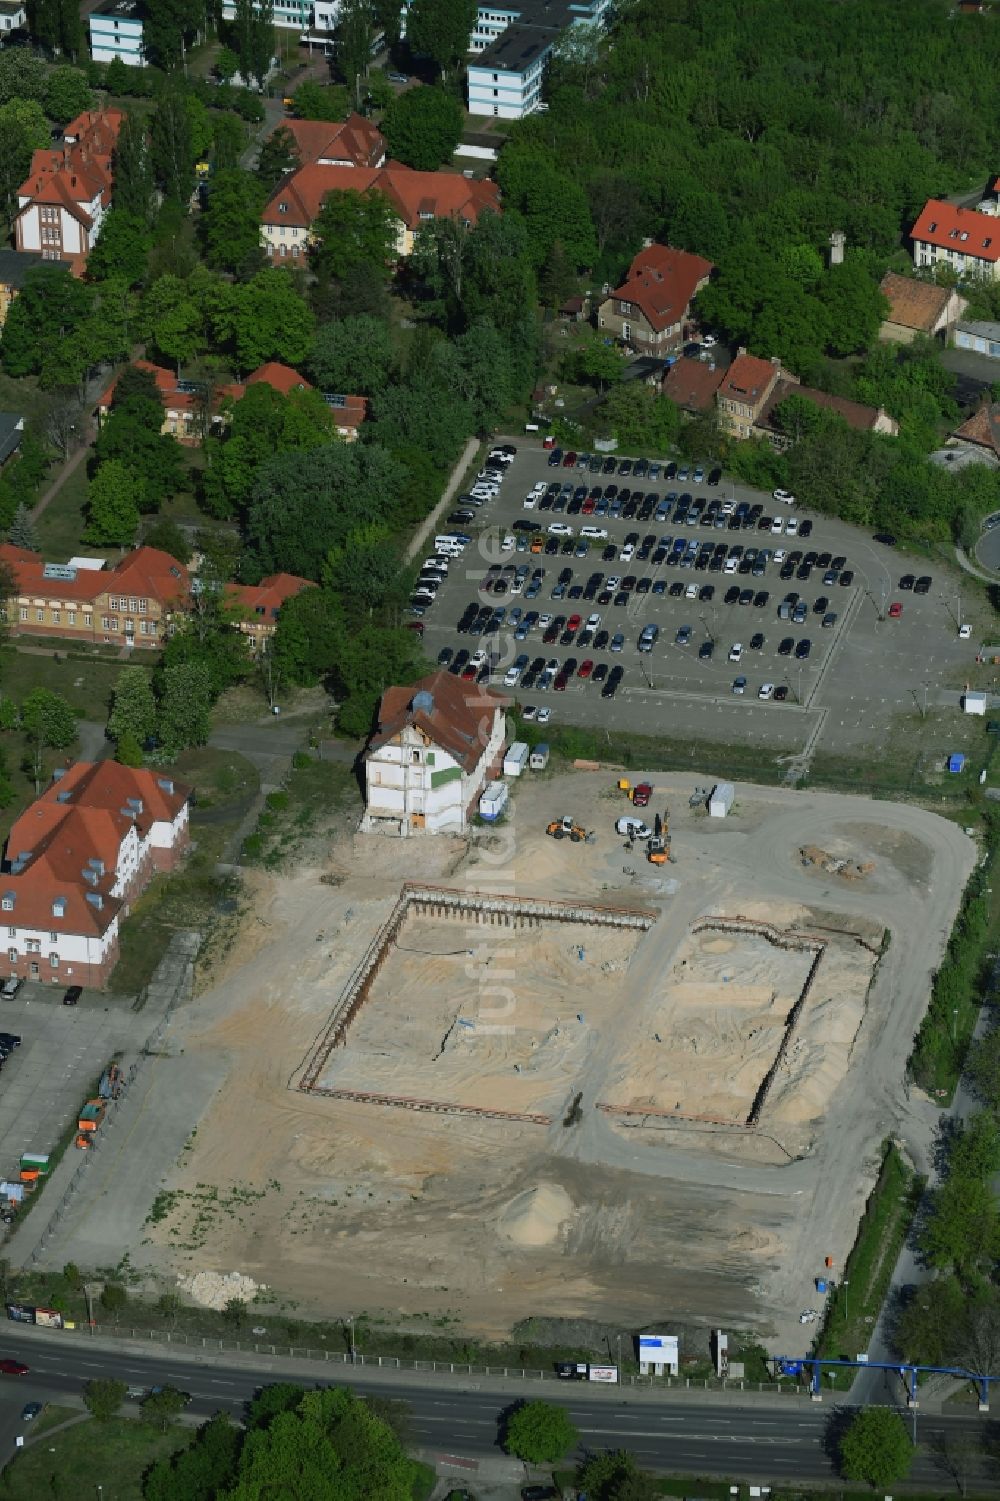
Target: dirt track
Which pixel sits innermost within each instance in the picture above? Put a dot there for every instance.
(356, 1207)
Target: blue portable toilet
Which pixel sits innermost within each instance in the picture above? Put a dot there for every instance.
(821, 1284)
(956, 762)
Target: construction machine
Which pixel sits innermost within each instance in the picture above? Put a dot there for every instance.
(568, 828)
(658, 849)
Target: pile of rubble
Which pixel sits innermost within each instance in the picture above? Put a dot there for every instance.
(836, 865)
(215, 1289)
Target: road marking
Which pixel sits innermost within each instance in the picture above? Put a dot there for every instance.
(221, 1383)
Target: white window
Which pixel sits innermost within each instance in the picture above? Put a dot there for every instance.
(71, 617)
(55, 617)
(142, 607)
(53, 937)
(40, 615)
(88, 621)
(12, 955)
(24, 612)
(34, 945)
(11, 932)
(54, 960)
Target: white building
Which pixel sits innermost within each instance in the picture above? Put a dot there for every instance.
(62, 202)
(966, 240)
(513, 44)
(116, 31)
(74, 861)
(437, 744)
(13, 16)
(289, 15)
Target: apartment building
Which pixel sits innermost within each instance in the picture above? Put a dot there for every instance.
(131, 603)
(116, 32)
(62, 202)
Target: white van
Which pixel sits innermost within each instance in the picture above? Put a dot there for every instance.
(597, 533)
(449, 540)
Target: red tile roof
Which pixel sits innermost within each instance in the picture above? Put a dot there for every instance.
(355, 140)
(661, 282)
(855, 413)
(442, 194)
(281, 377)
(962, 229)
(349, 411)
(82, 818)
(692, 384)
(146, 573)
(459, 717)
(79, 171)
(912, 303)
(747, 379)
(983, 427)
(266, 598)
(166, 384)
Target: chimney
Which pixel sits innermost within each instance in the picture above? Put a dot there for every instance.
(647, 242)
(838, 241)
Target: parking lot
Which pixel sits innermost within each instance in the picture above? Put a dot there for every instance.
(63, 1050)
(699, 565)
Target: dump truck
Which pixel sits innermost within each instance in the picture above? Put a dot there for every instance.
(568, 828)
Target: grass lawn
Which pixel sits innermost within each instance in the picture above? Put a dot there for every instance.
(60, 526)
(316, 791)
(51, 1417)
(85, 685)
(225, 785)
(116, 1454)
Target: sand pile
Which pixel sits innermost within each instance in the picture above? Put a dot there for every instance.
(836, 865)
(537, 1216)
(214, 1289)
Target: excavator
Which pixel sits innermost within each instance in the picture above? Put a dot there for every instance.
(568, 828)
(658, 849)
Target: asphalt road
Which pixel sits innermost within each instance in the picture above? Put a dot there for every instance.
(760, 1439)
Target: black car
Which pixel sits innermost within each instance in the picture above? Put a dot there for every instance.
(599, 673)
(715, 476)
(803, 649)
(760, 599)
(538, 1492)
(676, 589)
(705, 651)
(821, 605)
(525, 526)
(459, 517)
(847, 578)
(923, 584)
(625, 467)
(731, 596)
(886, 538)
(601, 640)
(611, 686)
(9, 1041)
(459, 661)
(785, 646)
(706, 593)
(757, 641)
(609, 466)
(746, 596)
(444, 656)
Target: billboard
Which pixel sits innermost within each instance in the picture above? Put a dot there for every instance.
(48, 1318)
(602, 1373)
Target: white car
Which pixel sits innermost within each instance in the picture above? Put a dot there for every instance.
(509, 543)
(691, 592)
(597, 533)
(735, 652)
(792, 526)
(592, 623)
(627, 553)
(728, 507)
(731, 565)
(544, 715)
(779, 555)
(544, 621)
(777, 526)
(964, 632)
(530, 711)
(559, 529)
(613, 582)
(708, 341)
(478, 659)
(539, 487)
(530, 501)
(633, 828)
(765, 691)
(511, 677)
(785, 496)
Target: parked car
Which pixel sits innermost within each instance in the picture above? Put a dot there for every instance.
(72, 995)
(10, 987)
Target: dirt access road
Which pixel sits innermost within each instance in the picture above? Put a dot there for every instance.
(342, 1206)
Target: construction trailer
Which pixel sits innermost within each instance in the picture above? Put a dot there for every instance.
(721, 799)
(493, 801)
(516, 758)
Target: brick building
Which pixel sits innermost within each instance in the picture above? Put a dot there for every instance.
(75, 860)
(62, 202)
(130, 603)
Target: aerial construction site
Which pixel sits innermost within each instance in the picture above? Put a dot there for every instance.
(515, 1074)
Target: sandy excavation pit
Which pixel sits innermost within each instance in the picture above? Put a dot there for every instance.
(484, 1018)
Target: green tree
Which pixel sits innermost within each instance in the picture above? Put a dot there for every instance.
(51, 308)
(556, 279)
(615, 1476)
(553, 206)
(23, 75)
(307, 640)
(235, 1313)
(48, 723)
(227, 64)
(114, 500)
(104, 1398)
(67, 94)
(640, 418)
(23, 130)
(162, 1406)
(263, 423)
(422, 127)
(317, 101)
(599, 360)
(540, 1433)
(364, 571)
(22, 531)
(55, 25)
(252, 35)
(855, 306)
(279, 155)
(352, 355)
(876, 1448)
(171, 321)
(185, 706)
(122, 248)
(487, 378)
(172, 145)
(201, 1472)
(270, 321)
(982, 1066)
(133, 706)
(168, 537)
(439, 29)
(230, 224)
(357, 29)
(229, 137)
(170, 27)
(133, 169)
(354, 229)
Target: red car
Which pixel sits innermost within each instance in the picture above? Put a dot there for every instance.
(587, 509)
(560, 683)
(549, 441)
(569, 460)
(12, 1368)
(573, 623)
(641, 795)
(415, 625)
(586, 668)
(895, 610)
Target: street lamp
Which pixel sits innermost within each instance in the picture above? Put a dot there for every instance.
(954, 1025)
(845, 1284)
(350, 1331)
(90, 1306)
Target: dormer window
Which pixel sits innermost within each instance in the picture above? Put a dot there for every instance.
(932, 228)
(59, 907)
(8, 901)
(282, 208)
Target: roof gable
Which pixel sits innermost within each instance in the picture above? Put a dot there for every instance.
(748, 378)
(456, 715)
(662, 281)
(914, 304)
(964, 230)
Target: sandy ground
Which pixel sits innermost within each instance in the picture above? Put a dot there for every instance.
(340, 1206)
